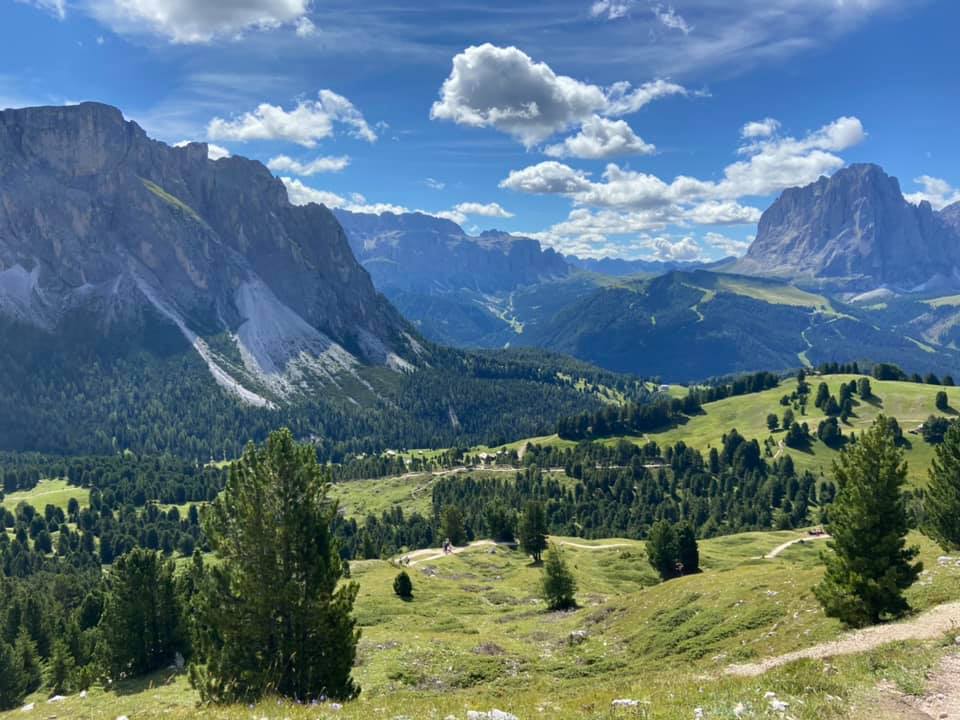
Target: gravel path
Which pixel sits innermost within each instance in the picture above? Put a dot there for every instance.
(780, 548)
(928, 626)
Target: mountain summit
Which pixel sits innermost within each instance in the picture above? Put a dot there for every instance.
(106, 229)
(856, 229)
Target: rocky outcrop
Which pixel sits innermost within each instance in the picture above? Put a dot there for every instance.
(422, 253)
(856, 229)
(97, 219)
(951, 216)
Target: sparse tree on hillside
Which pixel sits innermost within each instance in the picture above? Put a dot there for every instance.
(788, 417)
(942, 401)
(943, 492)
(558, 585)
(58, 674)
(662, 548)
(688, 552)
(273, 614)
(403, 586)
(863, 388)
(773, 422)
(870, 565)
(823, 394)
(533, 530)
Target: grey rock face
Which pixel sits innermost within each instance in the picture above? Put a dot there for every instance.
(418, 252)
(97, 217)
(855, 227)
(951, 216)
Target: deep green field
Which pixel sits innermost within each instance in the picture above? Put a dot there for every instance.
(477, 637)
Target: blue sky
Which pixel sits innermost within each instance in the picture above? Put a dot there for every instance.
(607, 127)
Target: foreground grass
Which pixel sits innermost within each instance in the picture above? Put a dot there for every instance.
(477, 637)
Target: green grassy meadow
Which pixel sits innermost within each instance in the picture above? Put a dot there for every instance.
(476, 637)
(48, 492)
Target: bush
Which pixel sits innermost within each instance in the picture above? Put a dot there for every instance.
(403, 586)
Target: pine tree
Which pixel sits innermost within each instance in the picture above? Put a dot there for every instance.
(28, 661)
(272, 614)
(59, 670)
(141, 625)
(870, 565)
(942, 401)
(943, 492)
(662, 548)
(451, 526)
(12, 682)
(688, 552)
(558, 585)
(533, 530)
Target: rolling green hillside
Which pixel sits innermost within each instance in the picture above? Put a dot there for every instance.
(686, 326)
(476, 637)
(911, 403)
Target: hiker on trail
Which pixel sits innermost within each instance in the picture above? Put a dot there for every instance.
(447, 547)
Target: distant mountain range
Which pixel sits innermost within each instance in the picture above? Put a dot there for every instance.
(851, 241)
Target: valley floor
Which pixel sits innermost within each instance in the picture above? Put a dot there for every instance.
(476, 637)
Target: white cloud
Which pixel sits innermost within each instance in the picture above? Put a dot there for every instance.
(936, 191)
(728, 246)
(760, 128)
(305, 27)
(668, 248)
(328, 164)
(57, 8)
(626, 202)
(503, 88)
(547, 178)
(196, 21)
(214, 152)
(434, 184)
(308, 123)
(772, 164)
(670, 19)
(462, 211)
(611, 9)
(600, 139)
(300, 194)
(100, 40)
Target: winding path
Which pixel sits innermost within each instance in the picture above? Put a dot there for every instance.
(931, 625)
(429, 554)
(797, 541)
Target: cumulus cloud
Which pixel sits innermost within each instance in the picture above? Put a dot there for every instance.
(601, 139)
(670, 19)
(309, 122)
(668, 248)
(214, 152)
(460, 212)
(610, 9)
(760, 128)
(300, 194)
(936, 191)
(328, 164)
(504, 88)
(190, 21)
(547, 178)
(771, 164)
(623, 202)
(728, 246)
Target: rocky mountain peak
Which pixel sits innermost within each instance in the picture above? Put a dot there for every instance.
(102, 223)
(855, 228)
